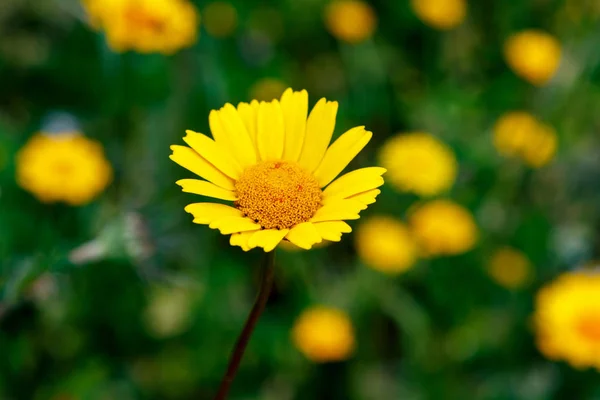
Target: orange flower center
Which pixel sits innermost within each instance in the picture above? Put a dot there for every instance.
(589, 327)
(140, 19)
(278, 194)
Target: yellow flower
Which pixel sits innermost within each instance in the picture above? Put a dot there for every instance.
(168, 312)
(277, 166)
(352, 21)
(440, 14)
(419, 163)
(509, 267)
(533, 55)
(145, 26)
(442, 227)
(220, 18)
(519, 134)
(65, 167)
(324, 334)
(567, 319)
(267, 89)
(385, 244)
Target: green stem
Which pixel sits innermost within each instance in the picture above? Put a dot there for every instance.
(244, 338)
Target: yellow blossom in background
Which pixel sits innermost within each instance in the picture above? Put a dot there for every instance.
(440, 14)
(274, 161)
(351, 21)
(419, 163)
(442, 227)
(267, 89)
(533, 55)
(220, 19)
(168, 312)
(324, 334)
(520, 134)
(145, 26)
(385, 244)
(65, 167)
(567, 319)
(509, 267)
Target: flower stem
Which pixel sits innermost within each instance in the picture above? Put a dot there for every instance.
(244, 338)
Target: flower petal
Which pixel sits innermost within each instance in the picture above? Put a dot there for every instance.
(268, 239)
(204, 188)
(319, 129)
(240, 144)
(192, 161)
(304, 235)
(205, 213)
(354, 182)
(227, 225)
(340, 209)
(249, 114)
(332, 230)
(217, 129)
(241, 239)
(270, 134)
(367, 197)
(340, 153)
(213, 153)
(294, 106)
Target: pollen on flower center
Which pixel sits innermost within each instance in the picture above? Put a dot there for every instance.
(277, 194)
(589, 327)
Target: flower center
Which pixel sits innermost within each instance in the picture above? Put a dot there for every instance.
(589, 327)
(277, 194)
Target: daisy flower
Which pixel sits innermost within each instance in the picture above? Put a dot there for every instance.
(274, 162)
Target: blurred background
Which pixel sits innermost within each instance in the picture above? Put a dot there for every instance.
(484, 113)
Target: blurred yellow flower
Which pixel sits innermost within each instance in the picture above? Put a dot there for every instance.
(520, 134)
(440, 14)
(442, 227)
(385, 244)
(168, 312)
(419, 163)
(352, 21)
(509, 267)
(324, 334)
(267, 89)
(65, 167)
(275, 162)
(145, 26)
(220, 19)
(567, 319)
(533, 55)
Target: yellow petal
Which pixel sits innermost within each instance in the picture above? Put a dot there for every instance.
(213, 153)
(294, 106)
(304, 235)
(228, 225)
(319, 129)
(205, 213)
(270, 133)
(340, 153)
(241, 239)
(367, 197)
(339, 210)
(332, 230)
(192, 161)
(217, 129)
(249, 114)
(354, 182)
(268, 239)
(205, 188)
(240, 144)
